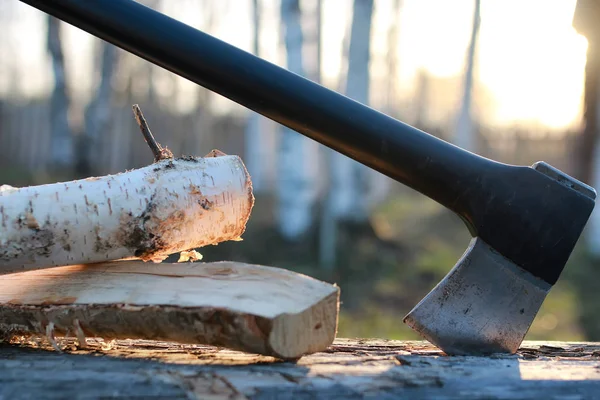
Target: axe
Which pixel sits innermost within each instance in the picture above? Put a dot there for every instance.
(524, 220)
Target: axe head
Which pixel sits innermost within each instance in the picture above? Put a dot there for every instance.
(487, 302)
(484, 305)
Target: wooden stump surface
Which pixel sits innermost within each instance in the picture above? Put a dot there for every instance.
(349, 369)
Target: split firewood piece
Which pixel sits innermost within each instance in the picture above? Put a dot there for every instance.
(245, 307)
(148, 213)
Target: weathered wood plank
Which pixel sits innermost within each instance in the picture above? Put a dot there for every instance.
(349, 369)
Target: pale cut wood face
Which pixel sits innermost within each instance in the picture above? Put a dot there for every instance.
(259, 290)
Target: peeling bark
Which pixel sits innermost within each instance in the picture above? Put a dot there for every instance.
(147, 213)
(225, 304)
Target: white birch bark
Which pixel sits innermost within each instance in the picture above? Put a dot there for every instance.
(464, 135)
(255, 146)
(62, 143)
(348, 178)
(297, 172)
(146, 213)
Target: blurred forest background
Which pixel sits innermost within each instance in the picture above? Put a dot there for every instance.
(516, 81)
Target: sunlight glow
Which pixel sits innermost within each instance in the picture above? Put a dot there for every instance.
(530, 61)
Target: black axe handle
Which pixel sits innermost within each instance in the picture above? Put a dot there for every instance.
(505, 205)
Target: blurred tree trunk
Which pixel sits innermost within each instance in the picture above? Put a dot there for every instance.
(585, 21)
(421, 98)
(319, 41)
(464, 136)
(392, 59)
(198, 141)
(150, 68)
(98, 113)
(327, 227)
(61, 150)
(297, 183)
(345, 197)
(255, 146)
(589, 135)
(348, 200)
(587, 13)
(379, 183)
(9, 62)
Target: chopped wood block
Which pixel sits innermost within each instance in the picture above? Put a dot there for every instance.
(252, 308)
(349, 369)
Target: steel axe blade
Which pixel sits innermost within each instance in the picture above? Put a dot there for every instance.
(526, 220)
(487, 302)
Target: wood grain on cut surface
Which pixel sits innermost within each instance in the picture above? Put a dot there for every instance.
(247, 307)
(349, 369)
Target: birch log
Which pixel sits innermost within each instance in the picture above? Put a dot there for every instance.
(244, 307)
(147, 213)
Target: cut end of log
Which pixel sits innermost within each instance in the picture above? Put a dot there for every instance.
(245, 307)
(319, 322)
(162, 230)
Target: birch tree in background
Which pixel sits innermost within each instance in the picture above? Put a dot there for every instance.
(464, 135)
(585, 22)
(593, 236)
(379, 183)
(327, 223)
(348, 194)
(253, 135)
(392, 59)
(149, 69)
(297, 183)
(346, 197)
(61, 151)
(9, 66)
(98, 112)
(421, 98)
